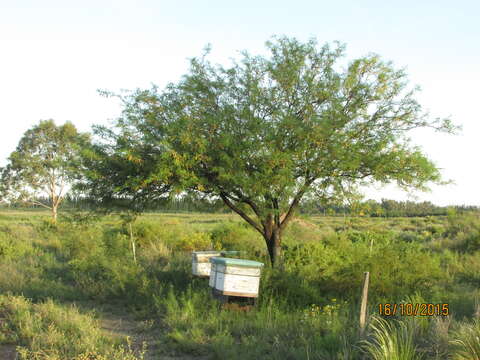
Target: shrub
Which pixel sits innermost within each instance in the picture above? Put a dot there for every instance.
(148, 232)
(471, 242)
(410, 237)
(237, 236)
(194, 241)
(337, 266)
(301, 230)
(100, 277)
(469, 270)
(81, 243)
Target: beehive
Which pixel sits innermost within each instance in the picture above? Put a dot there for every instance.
(235, 277)
(200, 262)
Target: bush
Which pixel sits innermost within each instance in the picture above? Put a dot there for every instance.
(81, 243)
(470, 242)
(337, 266)
(237, 236)
(302, 230)
(469, 270)
(147, 232)
(194, 241)
(100, 277)
(410, 237)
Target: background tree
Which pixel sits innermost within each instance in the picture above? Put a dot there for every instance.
(267, 131)
(44, 164)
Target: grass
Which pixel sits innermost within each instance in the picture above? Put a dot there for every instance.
(307, 310)
(391, 340)
(467, 342)
(49, 331)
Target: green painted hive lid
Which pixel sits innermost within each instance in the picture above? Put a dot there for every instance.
(235, 262)
(230, 253)
(203, 256)
(208, 252)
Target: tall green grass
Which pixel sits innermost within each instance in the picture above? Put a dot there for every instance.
(466, 341)
(392, 340)
(49, 331)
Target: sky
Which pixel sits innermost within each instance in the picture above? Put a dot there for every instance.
(56, 55)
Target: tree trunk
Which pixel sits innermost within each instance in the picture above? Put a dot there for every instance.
(274, 245)
(54, 214)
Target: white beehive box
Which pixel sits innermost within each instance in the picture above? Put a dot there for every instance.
(200, 262)
(235, 277)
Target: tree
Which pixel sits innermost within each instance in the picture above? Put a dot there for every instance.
(267, 131)
(124, 169)
(44, 164)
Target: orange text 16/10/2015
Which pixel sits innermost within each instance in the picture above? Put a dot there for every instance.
(409, 309)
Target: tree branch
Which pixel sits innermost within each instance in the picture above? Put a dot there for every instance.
(294, 204)
(249, 202)
(39, 203)
(247, 218)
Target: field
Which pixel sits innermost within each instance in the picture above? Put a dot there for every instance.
(74, 291)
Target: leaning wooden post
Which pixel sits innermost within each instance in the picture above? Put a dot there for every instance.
(132, 240)
(363, 306)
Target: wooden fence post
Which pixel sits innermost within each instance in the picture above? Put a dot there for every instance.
(363, 306)
(132, 240)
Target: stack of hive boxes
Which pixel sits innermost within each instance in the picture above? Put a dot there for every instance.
(228, 276)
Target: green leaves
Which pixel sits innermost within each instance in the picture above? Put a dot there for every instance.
(45, 163)
(124, 167)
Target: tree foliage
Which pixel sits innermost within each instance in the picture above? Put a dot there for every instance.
(123, 169)
(269, 130)
(45, 163)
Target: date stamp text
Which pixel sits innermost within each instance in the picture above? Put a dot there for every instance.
(409, 309)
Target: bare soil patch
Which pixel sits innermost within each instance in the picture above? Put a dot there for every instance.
(8, 352)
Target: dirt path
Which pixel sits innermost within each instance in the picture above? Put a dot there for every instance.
(7, 352)
(122, 324)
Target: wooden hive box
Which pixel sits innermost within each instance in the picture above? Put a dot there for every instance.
(235, 277)
(200, 262)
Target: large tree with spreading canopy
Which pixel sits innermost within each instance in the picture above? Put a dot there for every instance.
(267, 131)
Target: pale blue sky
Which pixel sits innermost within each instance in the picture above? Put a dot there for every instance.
(54, 55)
